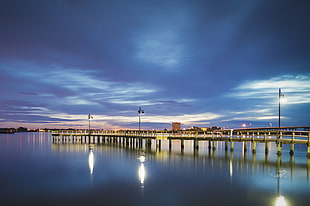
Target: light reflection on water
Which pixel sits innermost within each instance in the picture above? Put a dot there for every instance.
(38, 172)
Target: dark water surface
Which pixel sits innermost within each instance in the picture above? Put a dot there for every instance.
(34, 171)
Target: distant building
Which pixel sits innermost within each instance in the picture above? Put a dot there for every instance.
(194, 128)
(176, 126)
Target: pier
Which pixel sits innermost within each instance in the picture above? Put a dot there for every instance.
(145, 139)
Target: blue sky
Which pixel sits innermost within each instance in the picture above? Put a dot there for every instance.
(202, 63)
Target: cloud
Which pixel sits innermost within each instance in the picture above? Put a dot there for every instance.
(295, 87)
(259, 100)
(101, 121)
(163, 41)
(76, 86)
(161, 49)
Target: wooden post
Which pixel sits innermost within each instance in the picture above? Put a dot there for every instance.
(124, 141)
(134, 142)
(137, 142)
(149, 143)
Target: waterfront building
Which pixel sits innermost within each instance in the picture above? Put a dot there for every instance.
(176, 126)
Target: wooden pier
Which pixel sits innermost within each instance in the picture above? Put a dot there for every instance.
(140, 138)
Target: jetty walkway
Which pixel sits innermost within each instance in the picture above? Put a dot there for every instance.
(136, 138)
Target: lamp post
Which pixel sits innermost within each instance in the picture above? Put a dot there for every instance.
(140, 111)
(89, 117)
(281, 96)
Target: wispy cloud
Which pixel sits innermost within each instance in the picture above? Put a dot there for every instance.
(185, 118)
(295, 87)
(103, 120)
(78, 87)
(252, 115)
(260, 98)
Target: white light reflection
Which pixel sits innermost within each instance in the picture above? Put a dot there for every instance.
(142, 158)
(141, 171)
(141, 174)
(230, 168)
(91, 160)
(281, 201)
(280, 173)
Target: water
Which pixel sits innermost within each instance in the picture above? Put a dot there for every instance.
(34, 171)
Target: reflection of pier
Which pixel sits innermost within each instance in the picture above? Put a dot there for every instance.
(225, 161)
(229, 137)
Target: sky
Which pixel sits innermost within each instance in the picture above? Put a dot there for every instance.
(199, 62)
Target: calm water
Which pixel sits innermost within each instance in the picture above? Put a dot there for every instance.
(34, 171)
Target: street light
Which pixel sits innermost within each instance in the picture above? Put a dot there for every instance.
(140, 111)
(89, 117)
(281, 97)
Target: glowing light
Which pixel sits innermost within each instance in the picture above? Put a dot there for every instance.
(281, 201)
(142, 159)
(243, 125)
(230, 168)
(283, 100)
(141, 171)
(141, 174)
(91, 161)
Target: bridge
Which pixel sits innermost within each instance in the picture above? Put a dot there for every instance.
(288, 135)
